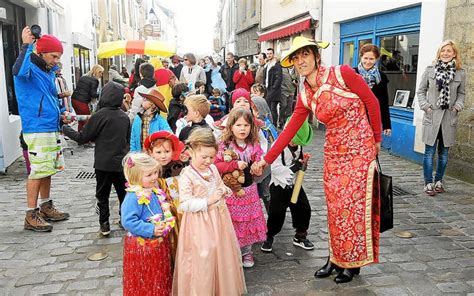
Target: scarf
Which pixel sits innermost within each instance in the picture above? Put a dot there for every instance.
(148, 82)
(444, 74)
(372, 76)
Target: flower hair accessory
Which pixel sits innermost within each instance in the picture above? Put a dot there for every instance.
(130, 163)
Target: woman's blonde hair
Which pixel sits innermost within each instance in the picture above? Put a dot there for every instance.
(95, 71)
(234, 115)
(243, 61)
(201, 137)
(199, 103)
(457, 53)
(134, 164)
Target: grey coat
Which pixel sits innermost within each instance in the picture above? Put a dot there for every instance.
(446, 119)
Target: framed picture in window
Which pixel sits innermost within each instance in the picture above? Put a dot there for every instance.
(401, 98)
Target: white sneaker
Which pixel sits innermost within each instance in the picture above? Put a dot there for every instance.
(430, 189)
(438, 187)
(247, 260)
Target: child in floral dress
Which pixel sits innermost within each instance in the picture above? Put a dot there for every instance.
(147, 217)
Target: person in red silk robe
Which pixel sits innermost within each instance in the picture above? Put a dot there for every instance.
(341, 100)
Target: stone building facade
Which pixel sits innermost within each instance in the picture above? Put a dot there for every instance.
(459, 26)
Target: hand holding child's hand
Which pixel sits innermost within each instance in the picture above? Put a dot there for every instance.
(159, 228)
(256, 170)
(242, 164)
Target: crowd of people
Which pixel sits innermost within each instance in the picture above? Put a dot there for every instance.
(192, 147)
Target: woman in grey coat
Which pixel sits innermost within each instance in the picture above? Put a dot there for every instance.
(441, 96)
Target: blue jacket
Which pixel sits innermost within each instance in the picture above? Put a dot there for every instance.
(134, 216)
(36, 93)
(157, 124)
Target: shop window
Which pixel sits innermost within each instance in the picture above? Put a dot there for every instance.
(399, 61)
(81, 63)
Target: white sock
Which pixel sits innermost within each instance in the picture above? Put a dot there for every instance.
(30, 209)
(44, 200)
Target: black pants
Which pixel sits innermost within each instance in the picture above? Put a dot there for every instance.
(279, 203)
(102, 193)
(274, 109)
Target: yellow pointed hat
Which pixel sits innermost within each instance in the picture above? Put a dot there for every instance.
(300, 42)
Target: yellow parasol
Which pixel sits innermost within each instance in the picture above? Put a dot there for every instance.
(124, 47)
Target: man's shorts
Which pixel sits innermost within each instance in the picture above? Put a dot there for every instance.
(45, 153)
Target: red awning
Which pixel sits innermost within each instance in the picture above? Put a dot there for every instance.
(286, 30)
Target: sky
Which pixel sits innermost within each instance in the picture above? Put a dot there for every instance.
(195, 22)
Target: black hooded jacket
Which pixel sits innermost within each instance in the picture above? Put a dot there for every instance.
(109, 128)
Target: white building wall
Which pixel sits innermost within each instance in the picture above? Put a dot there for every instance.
(431, 34)
(65, 17)
(274, 12)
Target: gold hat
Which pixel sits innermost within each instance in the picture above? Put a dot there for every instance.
(300, 42)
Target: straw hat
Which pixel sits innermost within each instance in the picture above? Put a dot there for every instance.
(298, 43)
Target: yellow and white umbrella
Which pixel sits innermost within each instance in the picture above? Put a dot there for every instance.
(125, 47)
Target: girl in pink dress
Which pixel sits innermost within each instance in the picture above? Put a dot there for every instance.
(241, 136)
(208, 258)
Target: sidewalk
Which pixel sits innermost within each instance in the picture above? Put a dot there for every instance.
(438, 260)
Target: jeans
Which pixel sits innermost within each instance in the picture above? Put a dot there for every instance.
(274, 109)
(428, 160)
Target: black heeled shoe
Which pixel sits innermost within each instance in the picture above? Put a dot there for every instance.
(326, 270)
(346, 275)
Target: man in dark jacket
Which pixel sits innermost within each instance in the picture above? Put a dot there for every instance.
(34, 75)
(109, 128)
(272, 76)
(176, 66)
(228, 70)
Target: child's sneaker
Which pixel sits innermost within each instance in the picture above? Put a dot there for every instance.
(267, 245)
(430, 189)
(247, 260)
(439, 188)
(303, 243)
(105, 228)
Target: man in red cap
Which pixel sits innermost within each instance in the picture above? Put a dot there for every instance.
(40, 114)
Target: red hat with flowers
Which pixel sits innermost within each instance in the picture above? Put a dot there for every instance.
(178, 146)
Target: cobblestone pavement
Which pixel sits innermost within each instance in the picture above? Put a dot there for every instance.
(438, 260)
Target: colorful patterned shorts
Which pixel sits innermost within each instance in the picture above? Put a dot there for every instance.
(45, 153)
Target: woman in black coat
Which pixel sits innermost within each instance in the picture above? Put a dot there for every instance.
(377, 81)
(86, 90)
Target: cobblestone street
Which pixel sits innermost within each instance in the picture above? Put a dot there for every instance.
(438, 260)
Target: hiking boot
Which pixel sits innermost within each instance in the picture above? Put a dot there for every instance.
(50, 213)
(429, 189)
(247, 260)
(439, 187)
(303, 243)
(105, 228)
(34, 221)
(267, 245)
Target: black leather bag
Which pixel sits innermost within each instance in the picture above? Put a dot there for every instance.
(386, 200)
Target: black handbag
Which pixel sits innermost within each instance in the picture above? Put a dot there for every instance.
(386, 200)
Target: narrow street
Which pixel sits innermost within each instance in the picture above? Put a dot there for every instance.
(438, 260)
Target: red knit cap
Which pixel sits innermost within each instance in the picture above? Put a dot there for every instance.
(239, 93)
(48, 43)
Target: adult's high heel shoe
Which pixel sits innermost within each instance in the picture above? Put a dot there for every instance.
(346, 275)
(326, 270)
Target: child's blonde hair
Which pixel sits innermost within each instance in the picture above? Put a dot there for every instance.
(234, 115)
(202, 137)
(134, 164)
(198, 103)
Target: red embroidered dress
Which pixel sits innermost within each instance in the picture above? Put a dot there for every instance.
(349, 161)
